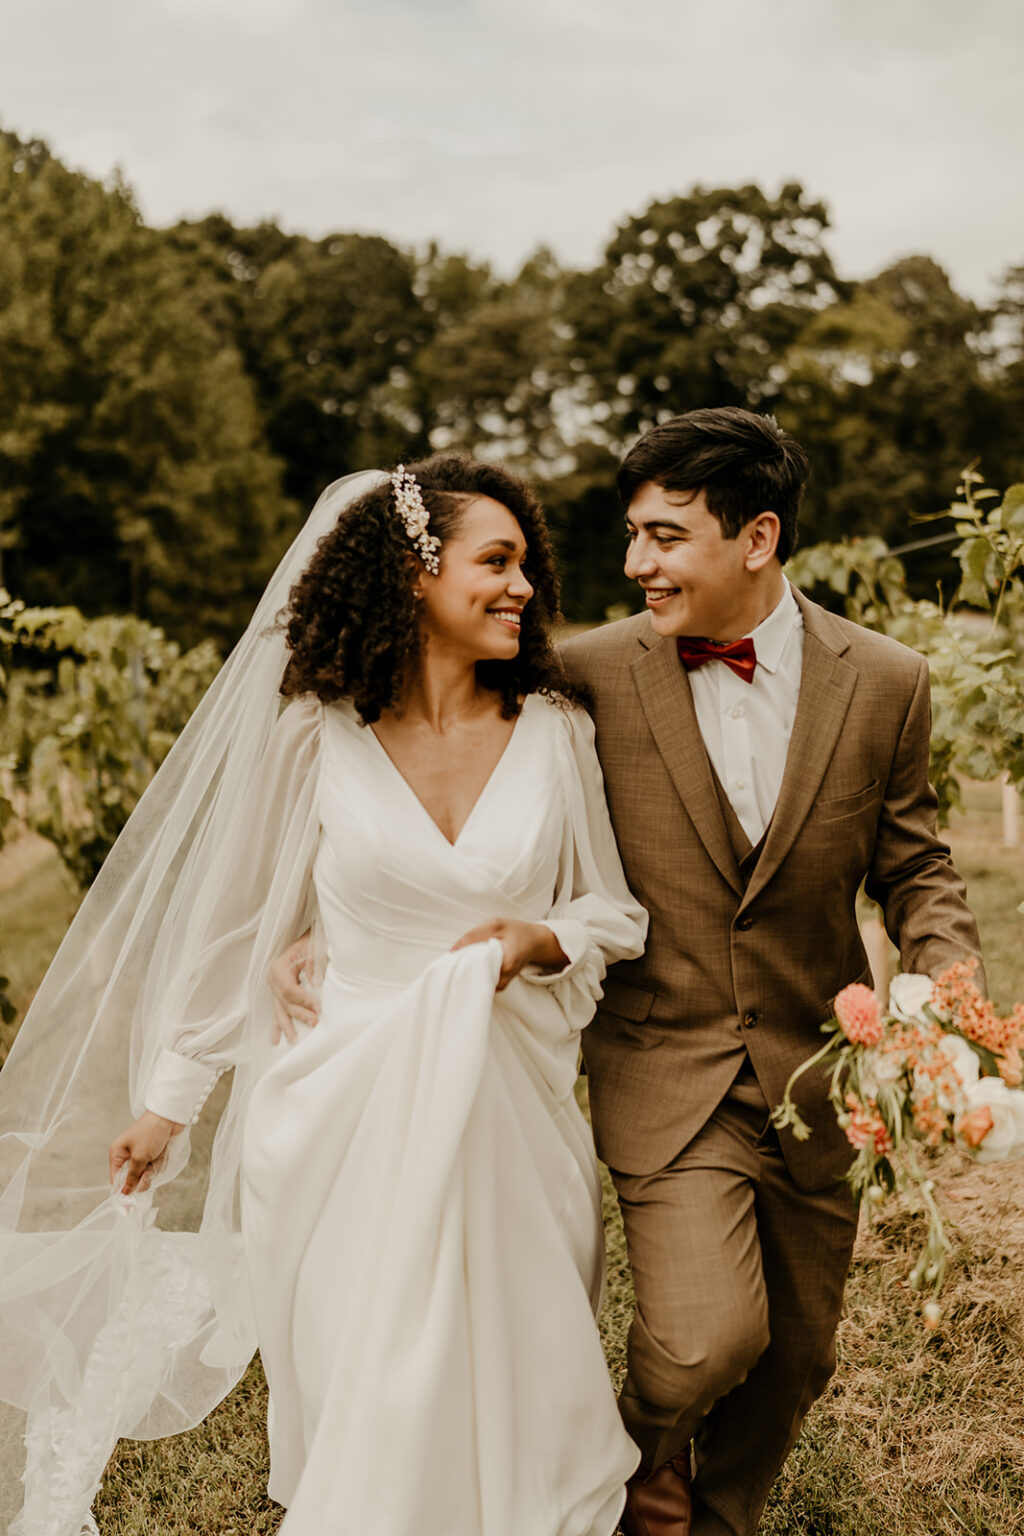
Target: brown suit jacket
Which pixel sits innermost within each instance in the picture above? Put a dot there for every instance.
(739, 965)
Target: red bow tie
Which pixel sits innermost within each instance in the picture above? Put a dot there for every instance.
(740, 656)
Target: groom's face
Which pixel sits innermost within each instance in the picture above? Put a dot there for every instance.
(696, 582)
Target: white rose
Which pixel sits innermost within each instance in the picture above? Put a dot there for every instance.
(878, 1070)
(1005, 1140)
(965, 1060)
(908, 995)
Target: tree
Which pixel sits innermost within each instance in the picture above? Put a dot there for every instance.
(886, 391)
(998, 442)
(329, 330)
(589, 532)
(696, 303)
(489, 375)
(133, 468)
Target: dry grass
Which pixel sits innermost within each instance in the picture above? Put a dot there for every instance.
(919, 1434)
(212, 1480)
(922, 1434)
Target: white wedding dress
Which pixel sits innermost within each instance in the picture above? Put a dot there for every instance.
(421, 1203)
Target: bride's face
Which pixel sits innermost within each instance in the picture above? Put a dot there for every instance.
(476, 600)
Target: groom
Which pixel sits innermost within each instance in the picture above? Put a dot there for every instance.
(762, 759)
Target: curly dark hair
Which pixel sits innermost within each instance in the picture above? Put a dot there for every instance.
(351, 622)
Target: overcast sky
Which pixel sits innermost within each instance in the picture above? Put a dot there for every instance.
(497, 125)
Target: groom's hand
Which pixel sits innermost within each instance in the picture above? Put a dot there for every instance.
(292, 1001)
(521, 944)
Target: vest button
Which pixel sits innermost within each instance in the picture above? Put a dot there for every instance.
(744, 924)
(749, 1020)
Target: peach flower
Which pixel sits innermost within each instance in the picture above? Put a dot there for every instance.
(973, 1126)
(859, 1015)
(1011, 1067)
(865, 1127)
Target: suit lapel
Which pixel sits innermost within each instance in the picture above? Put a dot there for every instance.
(665, 697)
(826, 687)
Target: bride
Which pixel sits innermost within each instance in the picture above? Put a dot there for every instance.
(402, 1205)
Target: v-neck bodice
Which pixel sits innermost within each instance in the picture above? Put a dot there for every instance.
(392, 890)
(453, 842)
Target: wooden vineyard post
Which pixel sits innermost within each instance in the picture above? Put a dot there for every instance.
(1011, 813)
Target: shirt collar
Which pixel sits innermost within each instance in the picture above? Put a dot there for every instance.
(772, 634)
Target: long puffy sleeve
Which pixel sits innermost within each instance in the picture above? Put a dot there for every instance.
(217, 1008)
(595, 917)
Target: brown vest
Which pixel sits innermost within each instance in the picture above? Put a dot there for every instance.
(747, 854)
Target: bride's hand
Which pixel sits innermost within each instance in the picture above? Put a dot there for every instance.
(291, 999)
(521, 944)
(143, 1146)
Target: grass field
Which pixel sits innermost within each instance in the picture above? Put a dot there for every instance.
(919, 1434)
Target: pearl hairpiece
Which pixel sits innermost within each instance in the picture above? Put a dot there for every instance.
(415, 517)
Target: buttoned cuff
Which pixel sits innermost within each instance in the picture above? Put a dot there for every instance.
(178, 1087)
(573, 940)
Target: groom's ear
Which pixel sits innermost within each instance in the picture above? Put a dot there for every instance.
(762, 536)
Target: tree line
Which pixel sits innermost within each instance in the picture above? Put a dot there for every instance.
(172, 400)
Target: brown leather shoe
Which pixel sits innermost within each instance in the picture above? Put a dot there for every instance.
(658, 1503)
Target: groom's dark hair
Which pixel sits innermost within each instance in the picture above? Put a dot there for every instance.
(744, 463)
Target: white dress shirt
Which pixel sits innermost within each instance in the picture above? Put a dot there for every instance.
(746, 726)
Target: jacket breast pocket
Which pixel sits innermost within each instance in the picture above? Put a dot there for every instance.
(841, 806)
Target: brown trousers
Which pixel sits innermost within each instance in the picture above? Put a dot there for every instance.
(739, 1284)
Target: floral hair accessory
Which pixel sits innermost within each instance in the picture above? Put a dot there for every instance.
(415, 518)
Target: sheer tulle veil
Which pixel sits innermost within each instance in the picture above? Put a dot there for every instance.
(129, 1316)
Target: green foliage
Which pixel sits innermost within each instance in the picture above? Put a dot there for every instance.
(92, 708)
(696, 303)
(976, 663)
(329, 330)
(589, 533)
(887, 391)
(171, 400)
(133, 473)
(489, 375)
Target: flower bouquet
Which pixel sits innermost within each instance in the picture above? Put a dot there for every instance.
(938, 1067)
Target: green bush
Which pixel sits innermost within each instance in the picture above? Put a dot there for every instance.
(92, 707)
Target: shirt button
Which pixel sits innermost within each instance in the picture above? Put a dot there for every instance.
(739, 783)
(749, 1020)
(737, 712)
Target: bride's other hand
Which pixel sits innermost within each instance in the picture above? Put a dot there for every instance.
(143, 1147)
(521, 943)
(292, 1001)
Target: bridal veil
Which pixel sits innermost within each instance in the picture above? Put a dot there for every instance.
(113, 1323)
